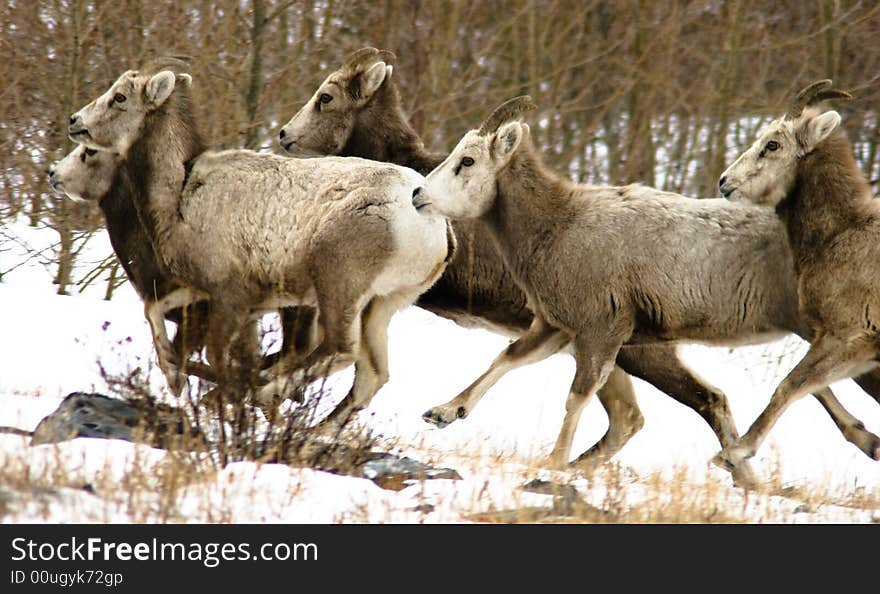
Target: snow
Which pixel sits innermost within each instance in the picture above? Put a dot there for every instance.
(51, 345)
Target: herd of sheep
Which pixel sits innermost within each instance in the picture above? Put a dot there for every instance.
(361, 221)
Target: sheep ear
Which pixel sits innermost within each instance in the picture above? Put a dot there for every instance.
(372, 79)
(506, 141)
(159, 88)
(817, 129)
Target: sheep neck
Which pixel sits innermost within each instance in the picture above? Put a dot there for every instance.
(128, 238)
(830, 195)
(382, 133)
(531, 207)
(158, 164)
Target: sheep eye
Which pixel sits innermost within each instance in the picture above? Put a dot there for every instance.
(91, 152)
(119, 98)
(325, 98)
(467, 161)
(773, 146)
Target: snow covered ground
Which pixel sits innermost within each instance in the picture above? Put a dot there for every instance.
(50, 346)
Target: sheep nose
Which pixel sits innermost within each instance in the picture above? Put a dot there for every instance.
(721, 181)
(416, 192)
(73, 119)
(282, 134)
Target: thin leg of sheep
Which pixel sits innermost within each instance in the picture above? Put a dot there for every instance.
(653, 364)
(539, 342)
(233, 344)
(337, 350)
(371, 367)
(594, 360)
(155, 311)
(624, 419)
(827, 361)
(299, 331)
(852, 428)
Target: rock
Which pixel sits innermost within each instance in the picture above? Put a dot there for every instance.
(83, 414)
(394, 472)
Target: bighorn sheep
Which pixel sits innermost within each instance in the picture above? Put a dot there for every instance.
(87, 174)
(803, 165)
(254, 230)
(711, 272)
(476, 289)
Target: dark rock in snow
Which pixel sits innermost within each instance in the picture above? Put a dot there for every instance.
(83, 414)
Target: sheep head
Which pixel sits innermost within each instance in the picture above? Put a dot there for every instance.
(766, 171)
(114, 120)
(84, 174)
(325, 123)
(464, 185)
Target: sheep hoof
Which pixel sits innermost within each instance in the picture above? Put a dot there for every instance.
(721, 461)
(867, 442)
(734, 460)
(443, 416)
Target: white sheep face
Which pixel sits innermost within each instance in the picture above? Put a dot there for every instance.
(464, 185)
(324, 124)
(765, 172)
(85, 174)
(114, 120)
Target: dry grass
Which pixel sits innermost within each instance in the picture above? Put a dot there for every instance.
(170, 488)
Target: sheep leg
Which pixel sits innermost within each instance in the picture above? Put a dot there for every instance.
(299, 335)
(336, 350)
(539, 342)
(154, 311)
(660, 366)
(827, 361)
(853, 429)
(624, 419)
(189, 336)
(594, 363)
(371, 366)
(233, 345)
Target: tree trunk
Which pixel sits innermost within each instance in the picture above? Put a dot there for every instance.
(255, 83)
